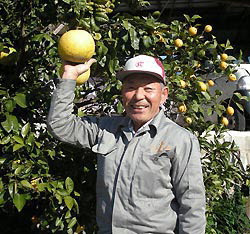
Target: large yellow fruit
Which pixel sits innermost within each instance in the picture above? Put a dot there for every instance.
(76, 46)
(208, 28)
(178, 42)
(183, 84)
(232, 77)
(210, 83)
(224, 57)
(202, 86)
(182, 108)
(224, 121)
(230, 110)
(223, 65)
(192, 31)
(80, 79)
(188, 120)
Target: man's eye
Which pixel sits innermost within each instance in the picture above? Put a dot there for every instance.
(148, 89)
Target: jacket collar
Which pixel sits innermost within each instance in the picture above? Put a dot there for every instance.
(153, 126)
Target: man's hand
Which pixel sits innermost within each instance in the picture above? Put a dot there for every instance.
(73, 70)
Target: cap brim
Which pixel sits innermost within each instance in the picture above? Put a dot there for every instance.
(121, 75)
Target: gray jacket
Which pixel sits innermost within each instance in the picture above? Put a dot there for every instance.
(148, 182)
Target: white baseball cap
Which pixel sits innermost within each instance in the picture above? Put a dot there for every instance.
(143, 64)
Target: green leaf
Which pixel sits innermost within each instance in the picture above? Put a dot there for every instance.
(110, 34)
(134, 39)
(30, 139)
(69, 201)
(147, 42)
(209, 111)
(26, 183)
(42, 186)
(2, 200)
(58, 221)
(20, 99)
(69, 184)
(72, 222)
(2, 160)
(67, 1)
(11, 123)
(38, 144)
(76, 206)
(76, 194)
(5, 140)
(19, 201)
(19, 169)
(187, 17)
(126, 24)
(11, 188)
(206, 95)
(25, 130)
(17, 147)
(239, 106)
(111, 66)
(62, 192)
(59, 198)
(194, 17)
(18, 139)
(68, 215)
(14, 122)
(10, 105)
(7, 124)
(120, 108)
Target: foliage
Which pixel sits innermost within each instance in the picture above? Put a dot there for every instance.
(49, 186)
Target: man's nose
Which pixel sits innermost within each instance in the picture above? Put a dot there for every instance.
(139, 94)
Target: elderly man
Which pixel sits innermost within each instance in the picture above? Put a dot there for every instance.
(149, 177)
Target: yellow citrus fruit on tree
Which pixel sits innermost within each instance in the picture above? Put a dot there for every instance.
(210, 83)
(182, 108)
(224, 57)
(230, 110)
(178, 42)
(188, 120)
(76, 46)
(208, 28)
(223, 65)
(202, 86)
(224, 121)
(183, 84)
(80, 79)
(192, 31)
(232, 77)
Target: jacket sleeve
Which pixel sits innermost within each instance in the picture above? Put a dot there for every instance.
(189, 187)
(63, 124)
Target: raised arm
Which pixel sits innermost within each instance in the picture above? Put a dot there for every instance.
(62, 123)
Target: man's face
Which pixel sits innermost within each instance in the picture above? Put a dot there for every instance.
(142, 96)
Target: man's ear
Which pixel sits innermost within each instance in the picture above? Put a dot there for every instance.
(164, 95)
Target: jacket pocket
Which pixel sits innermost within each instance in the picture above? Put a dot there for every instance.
(152, 176)
(105, 145)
